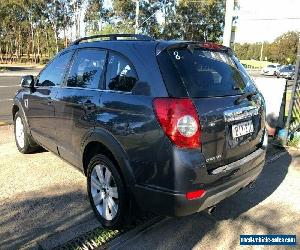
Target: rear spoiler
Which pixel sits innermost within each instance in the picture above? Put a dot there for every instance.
(191, 46)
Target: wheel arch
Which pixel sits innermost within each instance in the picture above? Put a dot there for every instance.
(14, 110)
(17, 107)
(102, 141)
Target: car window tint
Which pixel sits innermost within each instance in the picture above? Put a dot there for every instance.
(87, 69)
(53, 74)
(120, 75)
(207, 73)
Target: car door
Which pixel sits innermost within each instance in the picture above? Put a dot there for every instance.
(77, 102)
(40, 108)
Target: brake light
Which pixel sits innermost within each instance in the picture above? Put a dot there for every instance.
(195, 194)
(179, 119)
(210, 45)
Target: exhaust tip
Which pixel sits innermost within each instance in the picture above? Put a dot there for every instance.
(251, 184)
(211, 210)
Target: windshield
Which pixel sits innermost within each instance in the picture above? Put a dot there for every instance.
(210, 73)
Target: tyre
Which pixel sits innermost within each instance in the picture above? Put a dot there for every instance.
(24, 141)
(107, 193)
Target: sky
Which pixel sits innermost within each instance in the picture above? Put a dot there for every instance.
(252, 26)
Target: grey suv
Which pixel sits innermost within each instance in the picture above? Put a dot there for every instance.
(171, 127)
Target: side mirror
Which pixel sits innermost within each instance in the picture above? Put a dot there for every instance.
(27, 81)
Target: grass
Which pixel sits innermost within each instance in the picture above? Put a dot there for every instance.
(91, 240)
(99, 237)
(295, 142)
(255, 63)
(2, 69)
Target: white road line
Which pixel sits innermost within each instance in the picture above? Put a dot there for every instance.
(9, 86)
(6, 100)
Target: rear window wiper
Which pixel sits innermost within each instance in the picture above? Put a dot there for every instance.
(247, 95)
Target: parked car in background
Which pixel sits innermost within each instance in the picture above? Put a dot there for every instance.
(278, 70)
(172, 127)
(270, 70)
(287, 72)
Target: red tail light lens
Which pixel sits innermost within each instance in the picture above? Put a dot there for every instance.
(195, 194)
(210, 45)
(179, 119)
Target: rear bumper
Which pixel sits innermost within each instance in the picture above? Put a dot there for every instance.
(226, 183)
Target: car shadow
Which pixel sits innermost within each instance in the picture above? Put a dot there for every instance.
(267, 182)
(186, 232)
(35, 216)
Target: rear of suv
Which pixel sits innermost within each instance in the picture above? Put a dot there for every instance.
(171, 127)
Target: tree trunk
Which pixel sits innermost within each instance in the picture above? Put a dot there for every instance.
(1, 55)
(11, 51)
(56, 37)
(38, 47)
(20, 44)
(6, 52)
(47, 42)
(65, 38)
(32, 39)
(28, 50)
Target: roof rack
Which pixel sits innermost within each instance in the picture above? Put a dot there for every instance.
(114, 37)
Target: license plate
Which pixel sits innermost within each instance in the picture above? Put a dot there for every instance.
(242, 128)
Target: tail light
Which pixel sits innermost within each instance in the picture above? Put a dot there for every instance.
(210, 45)
(179, 119)
(195, 194)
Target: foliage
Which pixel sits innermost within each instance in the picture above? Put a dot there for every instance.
(295, 142)
(195, 20)
(34, 30)
(31, 30)
(95, 16)
(283, 50)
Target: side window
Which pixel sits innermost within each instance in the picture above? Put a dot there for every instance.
(120, 74)
(53, 74)
(87, 68)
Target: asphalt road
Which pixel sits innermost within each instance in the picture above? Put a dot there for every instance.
(9, 84)
(8, 87)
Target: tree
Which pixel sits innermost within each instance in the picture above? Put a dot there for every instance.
(283, 50)
(286, 47)
(196, 20)
(95, 16)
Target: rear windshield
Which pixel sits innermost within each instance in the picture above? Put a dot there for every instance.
(208, 73)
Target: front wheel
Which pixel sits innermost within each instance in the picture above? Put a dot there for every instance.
(24, 141)
(106, 192)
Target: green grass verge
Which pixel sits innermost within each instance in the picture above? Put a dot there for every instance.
(255, 64)
(295, 142)
(91, 240)
(99, 237)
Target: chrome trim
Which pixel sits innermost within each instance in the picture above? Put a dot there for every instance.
(240, 113)
(238, 163)
(99, 90)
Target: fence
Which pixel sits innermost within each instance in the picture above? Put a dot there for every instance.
(293, 119)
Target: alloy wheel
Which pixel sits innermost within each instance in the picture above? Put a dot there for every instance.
(104, 192)
(20, 137)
